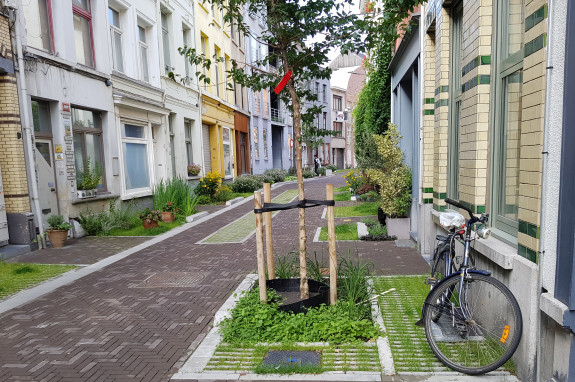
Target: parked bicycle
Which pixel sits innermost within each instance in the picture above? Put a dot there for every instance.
(472, 321)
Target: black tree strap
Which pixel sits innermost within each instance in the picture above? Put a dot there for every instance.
(306, 203)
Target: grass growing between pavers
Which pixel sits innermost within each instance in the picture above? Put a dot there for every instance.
(400, 310)
(341, 189)
(139, 230)
(342, 232)
(353, 357)
(242, 228)
(15, 277)
(363, 209)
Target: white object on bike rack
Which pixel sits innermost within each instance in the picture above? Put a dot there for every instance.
(451, 219)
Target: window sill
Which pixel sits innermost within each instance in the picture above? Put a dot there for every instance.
(494, 249)
(102, 196)
(194, 177)
(553, 307)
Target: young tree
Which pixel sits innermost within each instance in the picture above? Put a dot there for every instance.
(299, 35)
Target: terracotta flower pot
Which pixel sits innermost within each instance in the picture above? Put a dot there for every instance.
(151, 224)
(57, 237)
(168, 217)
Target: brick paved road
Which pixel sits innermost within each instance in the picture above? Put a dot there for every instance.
(120, 324)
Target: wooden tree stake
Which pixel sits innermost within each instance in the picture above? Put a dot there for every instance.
(268, 225)
(260, 248)
(332, 253)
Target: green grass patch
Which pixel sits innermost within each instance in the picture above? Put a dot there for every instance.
(15, 277)
(363, 209)
(341, 189)
(342, 196)
(342, 232)
(139, 230)
(288, 369)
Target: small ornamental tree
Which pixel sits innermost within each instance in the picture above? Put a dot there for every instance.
(289, 28)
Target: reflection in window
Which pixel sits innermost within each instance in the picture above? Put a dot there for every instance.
(83, 32)
(116, 39)
(514, 28)
(41, 117)
(135, 150)
(143, 54)
(265, 132)
(87, 137)
(256, 145)
(227, 151)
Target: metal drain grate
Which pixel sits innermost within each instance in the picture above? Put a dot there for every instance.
(290, 357)
(172, 280)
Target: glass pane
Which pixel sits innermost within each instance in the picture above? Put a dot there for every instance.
(41, 117)
(509, 180)
(114, 17)
(83, 40)
(189, 152)
(227, 160)
(136, 166)
(85, 119)
(226, 134)
(78, 157)
(142, 34)
(44, 150)
(94, 151)
(118, 62)
(133, 131)
(265, 138)
(144, 58)
(84, 4)
(45, 25)
(188, 130)
(514, 27)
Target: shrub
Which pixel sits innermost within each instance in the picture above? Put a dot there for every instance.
(247, 183)
(120, 216)
(265, 178)
(354, 182)
(177, 191)
(203, 199)
(331, 167)
(277, 174)
(321, 171)
(57, 222)
(209, 184)
(290, 178)
(308, 173)
(223, 195)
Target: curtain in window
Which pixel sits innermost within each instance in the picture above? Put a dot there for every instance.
(136, 165)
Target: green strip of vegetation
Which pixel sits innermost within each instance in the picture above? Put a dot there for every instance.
(363, 209)
(342, 196)
(139, 230)
(342, 232)
(15, 277)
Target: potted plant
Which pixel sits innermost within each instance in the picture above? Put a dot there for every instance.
(394, 183)
(169, 212)
(57, 231)
(91, 177)
(194, 169)
(150, 218)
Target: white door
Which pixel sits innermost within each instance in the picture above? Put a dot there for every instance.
(45, 168)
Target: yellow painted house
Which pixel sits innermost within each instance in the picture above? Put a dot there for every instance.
(218, 131)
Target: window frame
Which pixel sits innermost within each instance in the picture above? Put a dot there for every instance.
(113, 31)
(504, 228)
(188, 129)
(164, 15)
(79, 11)
(83, 131)
(143, 47)
(337, 103)
(147, 141)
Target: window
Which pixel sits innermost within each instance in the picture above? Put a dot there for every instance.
(188, 135)
(83, 32)
(41, 117)
(265, 132)
(226, 135)
(455, 101)
(144, 71)
(217, 64)
(166, 43)
(337, 103)
(87, 138)
(39, 32)
(135, 150)
(186, 33)
(317, 89)
(507, 126)
(324, 93)
(172, 143)
(116, 39)
(256, 146)
(204, 46)
(324, 120)
(338, 127)
(290, 148)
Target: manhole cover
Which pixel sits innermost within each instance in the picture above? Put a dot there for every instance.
(171, 279)
(290, 357)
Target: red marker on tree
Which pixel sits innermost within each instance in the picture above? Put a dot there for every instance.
(283, 82)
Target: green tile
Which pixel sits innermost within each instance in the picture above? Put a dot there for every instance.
(480, 209)
(485, 60)
(536, 17)
(484, 79)
(523, 226)
(445, 89)
(429, 112)
(430, 100)
(443, 195)
(429, 189)
(428, 201)
(527, 253)
(535, 45)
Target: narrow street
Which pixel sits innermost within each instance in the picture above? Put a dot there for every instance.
(141, 316)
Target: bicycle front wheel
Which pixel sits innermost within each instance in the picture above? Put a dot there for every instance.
(479, 325)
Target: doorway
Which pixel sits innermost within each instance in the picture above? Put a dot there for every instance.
(46, 170)
(277, 146)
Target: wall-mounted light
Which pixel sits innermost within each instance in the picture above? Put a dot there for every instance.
(108, 82)
(19, 135)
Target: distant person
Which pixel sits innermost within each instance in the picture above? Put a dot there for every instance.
(316, 164)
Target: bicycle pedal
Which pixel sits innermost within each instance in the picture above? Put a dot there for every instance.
(430, 281)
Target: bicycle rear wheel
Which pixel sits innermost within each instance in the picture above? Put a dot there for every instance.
(440, 270)
(490, 334)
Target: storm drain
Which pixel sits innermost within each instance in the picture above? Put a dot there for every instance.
(292, 358)
(172, 280)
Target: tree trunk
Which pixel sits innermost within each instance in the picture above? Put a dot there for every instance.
(304, 288)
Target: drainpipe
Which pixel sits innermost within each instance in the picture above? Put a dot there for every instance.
(545, 153)
(27, 131)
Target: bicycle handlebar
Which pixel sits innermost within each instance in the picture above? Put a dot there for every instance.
(459, 205)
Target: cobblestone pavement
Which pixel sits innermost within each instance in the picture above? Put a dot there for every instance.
(140, 317)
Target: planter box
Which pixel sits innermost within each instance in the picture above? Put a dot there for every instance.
(398, 227)
(83, 194)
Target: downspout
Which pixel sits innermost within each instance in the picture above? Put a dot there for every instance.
(545, 153)
(27, 131)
